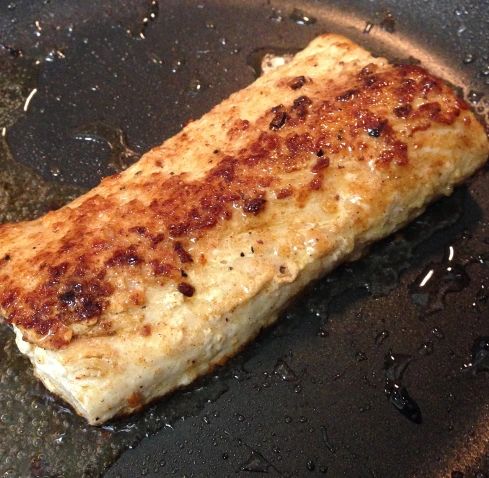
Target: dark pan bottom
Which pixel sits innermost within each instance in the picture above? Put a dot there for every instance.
(310, 395)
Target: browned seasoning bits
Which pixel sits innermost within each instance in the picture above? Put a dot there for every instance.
(301, 105)
(297, 82)
(183, 255)
(254, 206)
(403, 111)
(186, 289)
(279, 118)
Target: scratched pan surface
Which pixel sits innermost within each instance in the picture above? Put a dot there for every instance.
(368, 374)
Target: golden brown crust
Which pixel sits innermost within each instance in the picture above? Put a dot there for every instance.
(104, 243)
(185, 256)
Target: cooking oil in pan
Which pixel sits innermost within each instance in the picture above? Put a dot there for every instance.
(121, 155)
(24, 194)
(40, 436)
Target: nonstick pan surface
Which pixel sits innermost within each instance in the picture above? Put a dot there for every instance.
(316, 394)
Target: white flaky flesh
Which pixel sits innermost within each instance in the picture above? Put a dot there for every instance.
(253, 269)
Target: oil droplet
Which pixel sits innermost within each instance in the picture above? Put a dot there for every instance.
(121, 156)
(283, 370)
(54, 55)
(468, 58)
(431, 287)
(474, 97)
(177, 65)
(426, 348)
(461, 29)
(438, 333)
(301, 18)
(195, 86)
(395, 365)
(310, 465)
(360, 356)
(381, 337)
(150, 16)
(480, 356)
(276, 16)
(400, 398)
(460, 11)
(256, 463)
(394, 368)
(326, 440)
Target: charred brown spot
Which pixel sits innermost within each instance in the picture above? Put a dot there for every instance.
(297, 82)
(279, 119)
(84, 300)
(156, 239)
(161, 268)
(186, 289)
(370, 80)
(321, 163)
(226, 169)
(301, 106)
(183, 255)
(179, 229)
(316, 183)
(367, 70)
(76, 273)
(376, 130)
(68, 298)
(284, 193)
(429, 84)
(407, 90)
(397, 154)
(435, 112)
(254, 205)
(348, 95)
(432, 110)
(403, 111)
(299, 143)
(127, 257)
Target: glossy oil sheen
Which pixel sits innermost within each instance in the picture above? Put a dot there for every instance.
(310, 395)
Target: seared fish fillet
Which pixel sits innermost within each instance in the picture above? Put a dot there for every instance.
(167, 269)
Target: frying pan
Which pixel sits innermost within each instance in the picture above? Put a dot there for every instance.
(368, 374)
